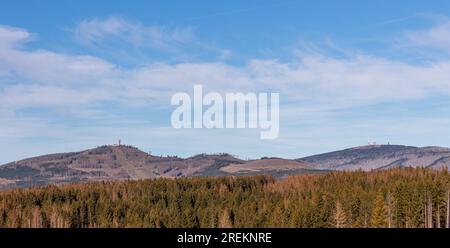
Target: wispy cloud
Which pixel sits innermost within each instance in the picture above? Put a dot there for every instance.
(132, 41)
(48, 80)
(436, 38)
(99, 32)
(10, 36)
(357, 78)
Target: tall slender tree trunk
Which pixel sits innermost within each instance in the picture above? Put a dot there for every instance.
(447, 222)
(425, 212)
(365, 218)
(438, 216)
(430, 212)
(389, 210)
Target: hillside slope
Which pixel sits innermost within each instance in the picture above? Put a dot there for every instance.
(381, 157)
(104, 163)
(108, 163)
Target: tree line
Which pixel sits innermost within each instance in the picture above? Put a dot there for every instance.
(389, 198)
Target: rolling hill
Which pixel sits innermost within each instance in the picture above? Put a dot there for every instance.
(119, 162)
(116, 162)
(374, 157)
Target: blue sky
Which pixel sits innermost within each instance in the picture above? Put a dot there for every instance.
(76, 74)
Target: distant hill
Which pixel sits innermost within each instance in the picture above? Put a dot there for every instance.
(115, 162)
(266, 164)
(107, 163)
(381, 157)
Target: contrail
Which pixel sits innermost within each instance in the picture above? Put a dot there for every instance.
(238, 11)
(392, 21)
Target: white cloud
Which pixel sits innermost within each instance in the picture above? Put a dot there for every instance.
(96, 32)
(130, 41)
(46, 67)
(436, 37)
(47, 77)
(312, 82)
(10, 36)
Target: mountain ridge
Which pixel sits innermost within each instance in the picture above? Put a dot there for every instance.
(381, 157)
(123, 162)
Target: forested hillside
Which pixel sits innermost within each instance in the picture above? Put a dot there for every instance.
(389, 198)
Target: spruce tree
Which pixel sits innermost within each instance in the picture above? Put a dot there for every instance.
(379, 214)
(340, 218)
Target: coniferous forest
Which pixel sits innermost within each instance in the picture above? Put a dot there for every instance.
(389, 198)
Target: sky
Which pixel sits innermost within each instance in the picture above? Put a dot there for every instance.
(76, 74)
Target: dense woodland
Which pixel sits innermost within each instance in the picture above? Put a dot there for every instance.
(389, 198)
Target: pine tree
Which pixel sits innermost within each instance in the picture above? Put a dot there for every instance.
(214, 220)
(428, 211)
(448, 210)
(379, 215)
(225, 219)
(389, 209)
(340, 218)
(390, 198)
